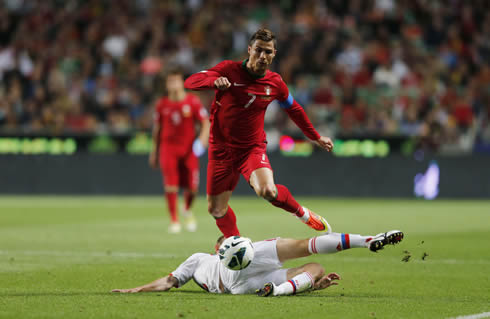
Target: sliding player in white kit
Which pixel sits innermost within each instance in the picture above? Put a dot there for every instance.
(265, 275)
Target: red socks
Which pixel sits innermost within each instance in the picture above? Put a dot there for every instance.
(172, 206)
(188, 199)
(227, 224)
(286, 201)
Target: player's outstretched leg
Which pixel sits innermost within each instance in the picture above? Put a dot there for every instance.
(335, 242)
(286, 201)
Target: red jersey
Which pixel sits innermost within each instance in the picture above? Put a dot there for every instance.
(177, 120)
(237, 114)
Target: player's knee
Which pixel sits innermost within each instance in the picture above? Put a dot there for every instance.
(315, 270)
(321, 271)
(171, 188)
(268, 192)
(216, 211)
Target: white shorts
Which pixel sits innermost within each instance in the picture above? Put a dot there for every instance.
(265, 267)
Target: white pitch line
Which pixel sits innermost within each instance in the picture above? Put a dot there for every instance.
(475, 316)
(427, 261)
(56, 253)
(81, 203)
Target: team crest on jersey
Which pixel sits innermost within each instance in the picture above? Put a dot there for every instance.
(186, 110)
(176, 119)
(267, 90)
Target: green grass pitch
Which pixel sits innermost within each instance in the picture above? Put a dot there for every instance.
(61, 256)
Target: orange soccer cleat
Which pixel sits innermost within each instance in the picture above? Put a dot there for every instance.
(315, 221)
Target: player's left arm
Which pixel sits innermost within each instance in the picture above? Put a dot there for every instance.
(204, 132)
(155, 138)
(299, 117)
(161, 284)
(201, 116)
(214, 78)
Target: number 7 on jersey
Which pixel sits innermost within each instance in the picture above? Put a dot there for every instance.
(252, 99)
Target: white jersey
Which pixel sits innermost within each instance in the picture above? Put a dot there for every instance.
(207, 270)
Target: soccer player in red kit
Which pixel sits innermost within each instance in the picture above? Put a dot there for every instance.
(237, 143)
(176, 148)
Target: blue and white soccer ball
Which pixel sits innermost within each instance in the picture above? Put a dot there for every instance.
(236, 252)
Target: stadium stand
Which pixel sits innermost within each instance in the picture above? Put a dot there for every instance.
(360, 68)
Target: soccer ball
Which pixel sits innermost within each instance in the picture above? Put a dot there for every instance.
(236, 252)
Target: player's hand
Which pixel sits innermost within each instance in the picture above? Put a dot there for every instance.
(325, 143)
(327, 281)
(197, 148)
(128, 291)
(153, 160)
(222, 83)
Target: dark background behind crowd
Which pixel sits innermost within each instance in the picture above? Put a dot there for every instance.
(360, 68)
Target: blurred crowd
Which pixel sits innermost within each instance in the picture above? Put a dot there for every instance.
(361, 68)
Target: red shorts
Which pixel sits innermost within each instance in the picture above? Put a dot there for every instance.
(182, 171)
(226, 164)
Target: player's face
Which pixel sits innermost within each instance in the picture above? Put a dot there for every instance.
(175, 82)
(260, 55)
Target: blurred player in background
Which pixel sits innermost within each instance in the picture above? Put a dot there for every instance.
(176, 149)
(265, 275)
(238, 141)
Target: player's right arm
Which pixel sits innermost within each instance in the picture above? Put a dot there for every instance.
(214, 78)
(186, 270)
(177, 278)
(161, 284)
(155, 136)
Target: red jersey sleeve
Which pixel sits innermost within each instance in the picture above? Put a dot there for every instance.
(204, 80)
(296, 112)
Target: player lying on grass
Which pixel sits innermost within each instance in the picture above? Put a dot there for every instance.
(265, 274)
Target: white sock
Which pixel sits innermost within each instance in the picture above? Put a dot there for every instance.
(306, 214)
(186, 213)
(334, 242)
(299, 283)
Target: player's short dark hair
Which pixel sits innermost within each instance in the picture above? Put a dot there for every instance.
(264, 35)
(220, 240)
(175, 70)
